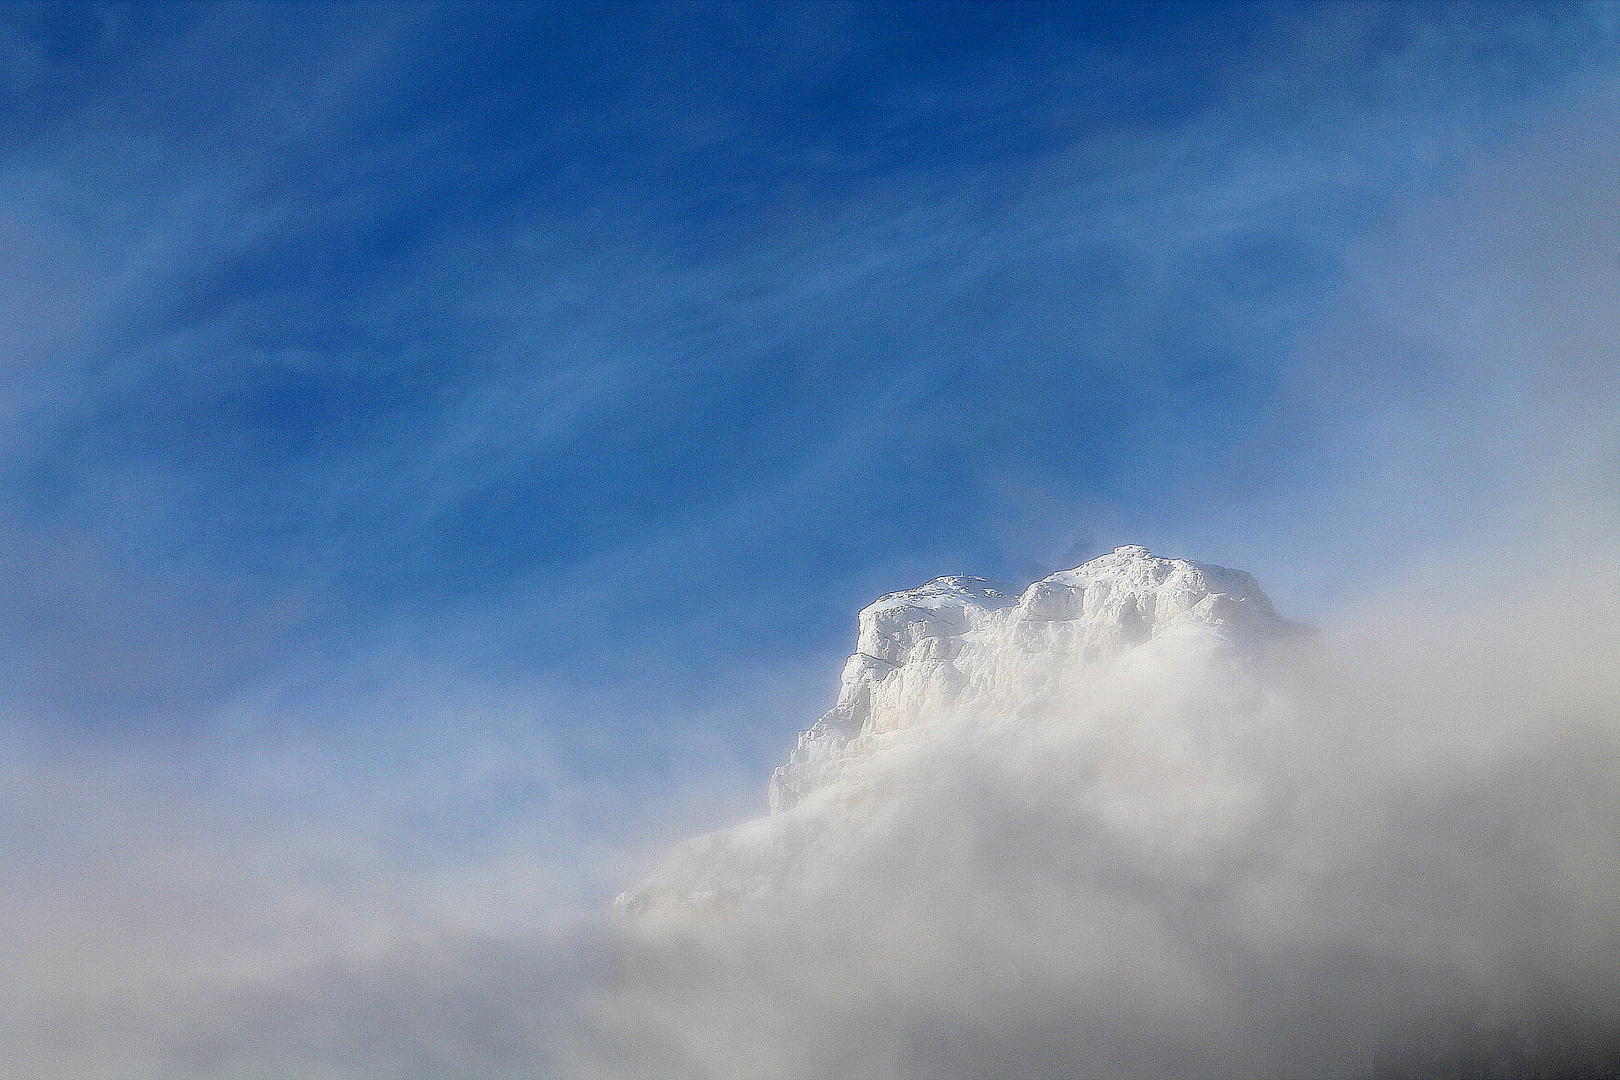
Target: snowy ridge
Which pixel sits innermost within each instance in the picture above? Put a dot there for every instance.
(964, 649)
(960, 642)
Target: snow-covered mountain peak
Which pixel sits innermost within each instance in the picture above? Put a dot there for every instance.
(972, 650)
(965, 643)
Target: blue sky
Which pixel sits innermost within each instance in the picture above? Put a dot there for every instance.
(442, 400)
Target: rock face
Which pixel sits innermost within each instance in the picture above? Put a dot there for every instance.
(960, 643)
(961, 649)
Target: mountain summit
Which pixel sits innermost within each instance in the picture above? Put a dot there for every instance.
(965, 653)
(966, 643)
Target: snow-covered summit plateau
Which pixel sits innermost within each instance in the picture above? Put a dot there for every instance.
(968, 651)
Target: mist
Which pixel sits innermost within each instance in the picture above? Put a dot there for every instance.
(1392, 850)
(1391, 853)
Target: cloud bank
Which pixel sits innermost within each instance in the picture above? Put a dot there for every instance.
(1394, 854)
